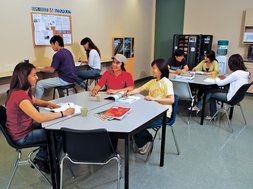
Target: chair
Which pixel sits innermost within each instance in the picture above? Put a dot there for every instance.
(63, 88)
(95, 78)
(96, 148)
(170, 124)
(235, 100)
(183, 91)
(18, 148)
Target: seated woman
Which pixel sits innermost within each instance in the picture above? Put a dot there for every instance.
(236, 79)
(93, 64)
(23, 118)
(177, 63)
(209, 66)
(160, 90)
(116, 79)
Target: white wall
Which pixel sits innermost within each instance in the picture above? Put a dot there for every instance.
(224, 19)
(99, 19)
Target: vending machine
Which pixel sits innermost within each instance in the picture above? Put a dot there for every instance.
(194, 47)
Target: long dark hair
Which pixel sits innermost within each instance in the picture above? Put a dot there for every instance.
(19, 79)
(91, 46)
(211, 55)
(235, 62)
(162, 66)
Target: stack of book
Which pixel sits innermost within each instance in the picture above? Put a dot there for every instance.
(115, 112)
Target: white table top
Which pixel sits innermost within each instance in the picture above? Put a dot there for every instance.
(82, 99)
(142, 111)
(198, 79)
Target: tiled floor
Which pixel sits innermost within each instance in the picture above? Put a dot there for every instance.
(211, 158)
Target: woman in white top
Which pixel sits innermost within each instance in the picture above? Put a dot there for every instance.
(93, 68)
(238, 77)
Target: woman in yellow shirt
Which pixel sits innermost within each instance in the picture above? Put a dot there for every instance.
(160, 90)
(208, 65)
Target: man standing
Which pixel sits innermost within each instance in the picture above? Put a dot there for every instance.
(62, 62)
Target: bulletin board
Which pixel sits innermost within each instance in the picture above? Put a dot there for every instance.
(46, 25)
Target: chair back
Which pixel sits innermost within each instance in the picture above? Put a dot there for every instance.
(87, 146)
(3, 118)
(174, 111)
(182, 90)
(239, 95)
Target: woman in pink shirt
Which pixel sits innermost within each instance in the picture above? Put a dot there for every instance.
(23, 119)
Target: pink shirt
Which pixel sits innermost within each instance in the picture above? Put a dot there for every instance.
(19, 125)
(109, 79)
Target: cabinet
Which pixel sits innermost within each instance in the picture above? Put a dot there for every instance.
(248, 27)
(249, 65)
(194, 47)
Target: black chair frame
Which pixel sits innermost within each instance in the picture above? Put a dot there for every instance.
(18, 148)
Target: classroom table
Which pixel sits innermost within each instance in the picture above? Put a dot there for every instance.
(138, 119)
(199, 79)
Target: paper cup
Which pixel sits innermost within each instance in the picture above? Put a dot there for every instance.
(84, 111)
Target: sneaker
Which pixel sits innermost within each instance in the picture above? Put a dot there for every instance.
(194, 108)
(210, 117)
(146, 148)
(41, 165)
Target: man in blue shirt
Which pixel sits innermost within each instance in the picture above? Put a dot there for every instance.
(63, 63)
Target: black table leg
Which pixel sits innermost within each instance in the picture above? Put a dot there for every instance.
(231, 113)
(127, 139)
(54, 164)
(163, 141)
(203, 107)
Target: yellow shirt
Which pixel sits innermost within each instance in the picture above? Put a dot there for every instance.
(202, 66)
(160, 89)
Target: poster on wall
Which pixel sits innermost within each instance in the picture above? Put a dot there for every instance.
(46, 25)
(124, 46)
(117, 46)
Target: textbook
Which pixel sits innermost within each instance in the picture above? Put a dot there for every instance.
(115, 112)
(121, 98)
(64, 106)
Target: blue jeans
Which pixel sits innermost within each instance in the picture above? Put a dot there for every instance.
(87, 73)
(37, 136)
(144, 136)
(211, 97)
(48, 83)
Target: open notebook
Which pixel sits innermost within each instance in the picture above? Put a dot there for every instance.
(65, 106)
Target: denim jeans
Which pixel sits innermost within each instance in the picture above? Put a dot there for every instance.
(87, 73)
(37, 136)
(211, 97)
(48, 83)
(144, 136)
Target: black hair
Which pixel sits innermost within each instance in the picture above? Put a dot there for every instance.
(162, 66)
(211, 55)
(178, 52)
(57, 38)
(91, 45)
(235, 62)
(19, 79)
